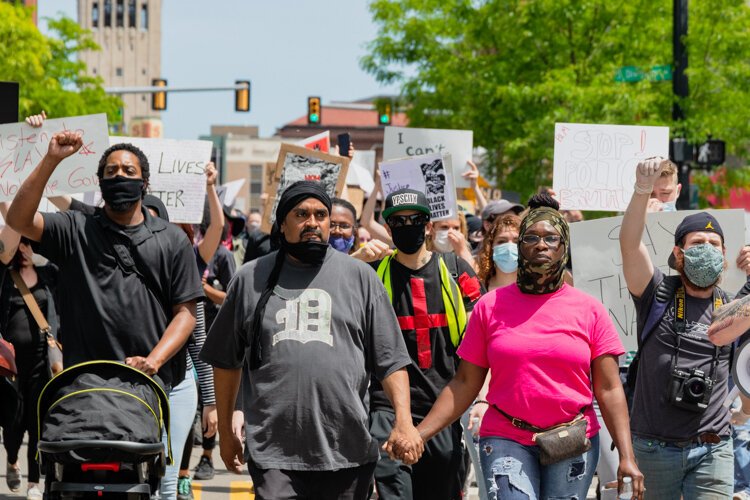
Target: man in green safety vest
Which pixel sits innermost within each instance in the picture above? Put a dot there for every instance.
(432, 295)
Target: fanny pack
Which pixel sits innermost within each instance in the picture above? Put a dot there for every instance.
(557, 443)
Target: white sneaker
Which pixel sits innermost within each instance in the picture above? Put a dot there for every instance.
(34, 493)
(741, 495)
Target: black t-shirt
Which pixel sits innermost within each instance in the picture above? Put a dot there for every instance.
(418, 302)
(109, 311)
(257, 244)
(218, 273)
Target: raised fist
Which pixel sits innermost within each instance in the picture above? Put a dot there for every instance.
(646, 174)
(211, 174)
(64, 144)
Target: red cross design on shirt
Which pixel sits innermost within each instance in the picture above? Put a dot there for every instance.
(421, 322)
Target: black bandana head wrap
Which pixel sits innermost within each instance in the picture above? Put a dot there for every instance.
(547, 277)
(293, 196)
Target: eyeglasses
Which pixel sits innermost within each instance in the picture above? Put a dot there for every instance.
(407, 220)
(551, 240)
(341, 225)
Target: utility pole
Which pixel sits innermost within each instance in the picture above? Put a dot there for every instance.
(680, 90)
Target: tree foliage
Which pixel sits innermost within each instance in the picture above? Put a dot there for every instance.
(51, 78)
(510, 69)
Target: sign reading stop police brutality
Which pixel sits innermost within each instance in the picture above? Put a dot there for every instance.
(178, 174)
(597, 262)
(400, 142)
(430, 174)
(22, 147)
(594, 166)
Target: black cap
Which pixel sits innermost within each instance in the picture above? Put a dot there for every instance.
(405, 199)
(703, 221)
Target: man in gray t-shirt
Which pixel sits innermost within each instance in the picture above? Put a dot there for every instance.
(310, 327)
(681, 434)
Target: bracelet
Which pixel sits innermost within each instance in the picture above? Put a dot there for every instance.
(481, 401)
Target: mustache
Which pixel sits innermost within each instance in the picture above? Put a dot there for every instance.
(311, 230)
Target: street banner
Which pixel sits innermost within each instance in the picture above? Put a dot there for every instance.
(22, 147)
(296, 163)
(400, 142)
(597, 261)
(594, 165)
(178, 174)
(430, 174)
(319, 142)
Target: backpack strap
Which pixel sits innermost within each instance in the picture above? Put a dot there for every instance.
(662, 297)
(451, 262)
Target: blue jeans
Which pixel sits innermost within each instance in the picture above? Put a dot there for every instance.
(183, 401)
(512, 471)
(699, 471)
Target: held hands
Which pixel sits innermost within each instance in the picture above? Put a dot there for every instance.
(405, 444)
(646, 174)
(64, 144)
(211, 174)
(372, 250)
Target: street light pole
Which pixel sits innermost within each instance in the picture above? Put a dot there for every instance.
(680, 88)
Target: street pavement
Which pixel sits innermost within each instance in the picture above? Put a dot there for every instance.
(224, 485)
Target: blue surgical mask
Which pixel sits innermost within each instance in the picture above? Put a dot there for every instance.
(505, 256)
(703, 264)
(669, 206)
(341, 244)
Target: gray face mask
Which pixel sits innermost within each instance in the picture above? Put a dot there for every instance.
(703, 264)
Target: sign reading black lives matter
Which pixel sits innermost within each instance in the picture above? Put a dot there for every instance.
(296, 163)
(430, 174)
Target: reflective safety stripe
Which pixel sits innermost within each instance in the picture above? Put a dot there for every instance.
(455, 310)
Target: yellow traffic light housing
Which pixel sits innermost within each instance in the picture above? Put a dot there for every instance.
(242, 97)
(159, 99)
(313, 111)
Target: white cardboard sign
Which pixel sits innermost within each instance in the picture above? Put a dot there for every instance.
(430, 174)
(597, 261)
(22, 147)
(400, 142)
(178, 174)
(594, 165)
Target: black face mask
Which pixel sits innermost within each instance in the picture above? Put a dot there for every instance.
(121, 193)
(408, 239)
(309, 252)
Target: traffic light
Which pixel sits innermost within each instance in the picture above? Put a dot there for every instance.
(313, 110)
(242, 97)
(159, 99)
(385, 113)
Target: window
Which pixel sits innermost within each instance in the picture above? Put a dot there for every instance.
(107, 13)
(118, 71)
(120, 13)
(131, 13)
(256, 188)
(144, 16)
(95, 15)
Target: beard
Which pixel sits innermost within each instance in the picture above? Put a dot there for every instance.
(679, 266)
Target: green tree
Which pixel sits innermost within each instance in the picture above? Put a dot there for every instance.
(51, 77)
(510, 69)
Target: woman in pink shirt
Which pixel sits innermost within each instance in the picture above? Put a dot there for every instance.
(547, 345)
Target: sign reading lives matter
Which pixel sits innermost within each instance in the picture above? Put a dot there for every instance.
(399, 142)
(178, 174)
(595, 165)
(430, 174)
(597, 262)
(22, 147)
(296, 163)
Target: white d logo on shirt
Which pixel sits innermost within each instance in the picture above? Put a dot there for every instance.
(306, 318)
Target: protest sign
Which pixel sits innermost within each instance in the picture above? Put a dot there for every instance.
(178, 171)
(296, 163)
(399, 142)
(228, 192)
(594, 165)
(22, 147)
(597, 262)
(430, 174)
(319, 142)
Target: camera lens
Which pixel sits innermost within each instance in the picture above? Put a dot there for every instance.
(696, 388)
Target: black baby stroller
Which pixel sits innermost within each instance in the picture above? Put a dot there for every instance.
(100, 430)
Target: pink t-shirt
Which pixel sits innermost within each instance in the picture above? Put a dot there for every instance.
(539, 350)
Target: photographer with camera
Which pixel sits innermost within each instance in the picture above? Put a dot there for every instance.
(681, 431)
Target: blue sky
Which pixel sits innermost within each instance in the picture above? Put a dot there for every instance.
(289, 49)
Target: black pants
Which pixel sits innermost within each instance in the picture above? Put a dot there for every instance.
(343, 484)
(437, 475)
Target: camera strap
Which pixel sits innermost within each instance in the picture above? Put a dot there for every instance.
(680, 325)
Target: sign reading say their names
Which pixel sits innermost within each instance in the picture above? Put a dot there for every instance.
(399, 142)
(178, 174)
(597, 261)
(594, 165)
(430, 174)
(22, 147)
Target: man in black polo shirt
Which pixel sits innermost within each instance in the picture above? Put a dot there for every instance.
(130, 279)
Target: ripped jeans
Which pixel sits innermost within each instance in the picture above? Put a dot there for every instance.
(513, 472)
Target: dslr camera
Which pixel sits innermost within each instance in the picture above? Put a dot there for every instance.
(690, 390)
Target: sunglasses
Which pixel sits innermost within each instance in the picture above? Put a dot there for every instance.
(407, 220)
(551, 240)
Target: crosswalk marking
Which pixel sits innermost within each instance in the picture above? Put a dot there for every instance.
(238, 490)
